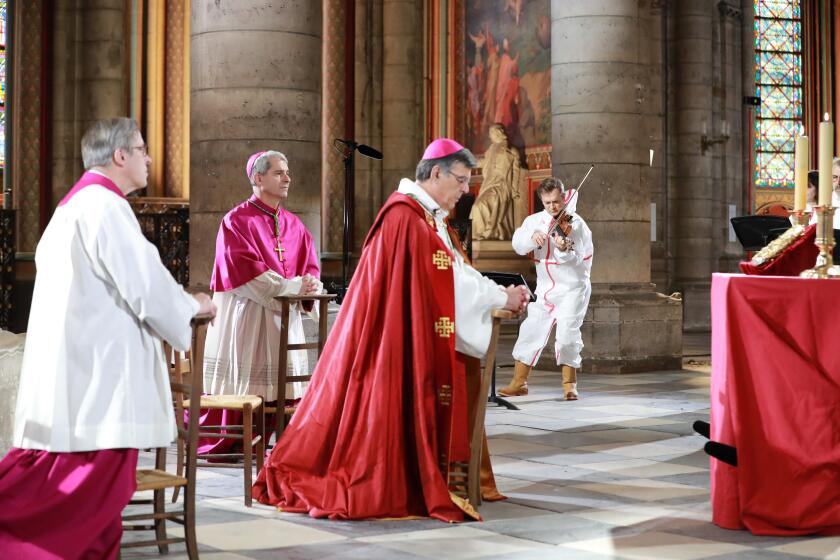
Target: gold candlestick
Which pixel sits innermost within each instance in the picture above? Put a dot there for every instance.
(800, 218)
(825, 243)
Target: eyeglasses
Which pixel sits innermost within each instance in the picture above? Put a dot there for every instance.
(462, 179)
(144, 149)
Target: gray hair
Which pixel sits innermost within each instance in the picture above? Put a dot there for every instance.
(424, 168)
(551, 184)
(263, 163)
(105, 137)
(836, 162)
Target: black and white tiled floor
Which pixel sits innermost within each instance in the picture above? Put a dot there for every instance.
(617, 474)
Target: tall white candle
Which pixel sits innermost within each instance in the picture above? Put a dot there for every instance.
(825, 159)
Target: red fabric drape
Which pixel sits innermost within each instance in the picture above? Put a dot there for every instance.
(775, 396)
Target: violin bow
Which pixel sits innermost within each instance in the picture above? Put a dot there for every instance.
(577, 190)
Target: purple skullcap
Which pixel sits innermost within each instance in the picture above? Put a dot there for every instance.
(249, 167)
(441, 147)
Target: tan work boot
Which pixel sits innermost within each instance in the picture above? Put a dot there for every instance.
(519, 384)
(570, 383)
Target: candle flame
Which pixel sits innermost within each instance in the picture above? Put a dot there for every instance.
(801, 130)
(825, 118)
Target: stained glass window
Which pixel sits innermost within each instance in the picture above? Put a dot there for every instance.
(778, 70)
(3, 50)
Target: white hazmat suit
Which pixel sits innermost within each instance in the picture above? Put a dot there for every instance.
(563, 289)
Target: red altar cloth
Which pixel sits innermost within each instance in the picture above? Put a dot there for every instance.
(775, 396)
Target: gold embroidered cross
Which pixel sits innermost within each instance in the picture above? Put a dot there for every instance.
(441, 260)
(280, 250)
(444, 327)
(445, 395)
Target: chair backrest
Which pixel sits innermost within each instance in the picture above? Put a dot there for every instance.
(286, 302)
(477, 429)
(186, 381)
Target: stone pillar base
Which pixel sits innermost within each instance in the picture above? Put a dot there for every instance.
(628, 328)
(697, 305)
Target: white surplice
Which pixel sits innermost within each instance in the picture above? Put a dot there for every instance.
(241, 355)
(93, 374)
(475, 295)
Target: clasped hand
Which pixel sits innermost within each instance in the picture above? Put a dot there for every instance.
(206, 305)
(517, 298)
(309, 285)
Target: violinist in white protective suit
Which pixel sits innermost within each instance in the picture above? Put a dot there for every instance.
(562, 248)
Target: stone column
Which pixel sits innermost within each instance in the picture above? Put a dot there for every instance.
(693, 189)
(605, 103)
(90, 79)
(402, 113)
(255, 85)
(733, 165)
(707, 180)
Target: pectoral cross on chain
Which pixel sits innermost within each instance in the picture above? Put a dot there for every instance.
(280, 250)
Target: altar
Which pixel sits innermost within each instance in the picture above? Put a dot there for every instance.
(775, 396)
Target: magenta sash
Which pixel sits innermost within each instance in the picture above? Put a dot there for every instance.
(89, 179)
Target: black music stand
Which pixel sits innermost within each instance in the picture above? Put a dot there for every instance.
(754, 232)
(505, 279)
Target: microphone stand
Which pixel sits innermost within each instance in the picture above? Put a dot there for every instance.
(349, 195)
(347, 149)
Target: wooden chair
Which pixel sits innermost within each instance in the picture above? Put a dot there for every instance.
(282, 377)
(158, 479)
(252, 429)
(474, 468)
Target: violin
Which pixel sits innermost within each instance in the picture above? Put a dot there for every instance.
(562, 225)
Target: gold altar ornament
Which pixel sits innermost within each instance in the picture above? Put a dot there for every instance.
(778, 245)
(825, 243)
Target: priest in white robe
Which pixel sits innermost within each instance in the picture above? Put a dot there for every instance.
(94, 383)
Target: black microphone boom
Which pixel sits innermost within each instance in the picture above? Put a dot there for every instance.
(363, 149)
(369, 152)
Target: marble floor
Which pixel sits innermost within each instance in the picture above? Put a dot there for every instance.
(617, 474)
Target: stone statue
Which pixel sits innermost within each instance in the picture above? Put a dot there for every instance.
(492, 211)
